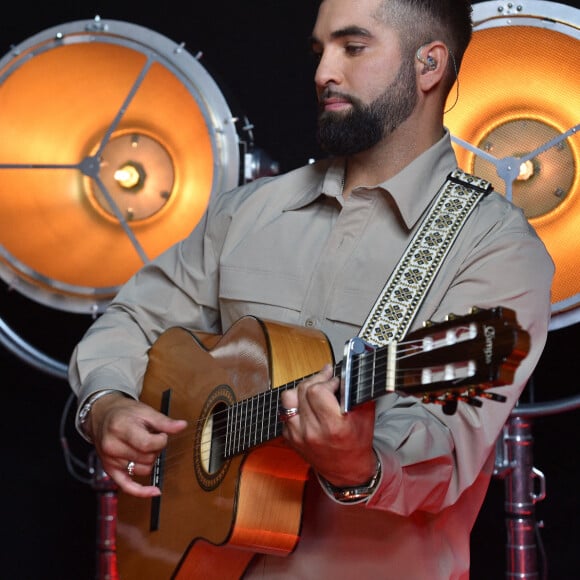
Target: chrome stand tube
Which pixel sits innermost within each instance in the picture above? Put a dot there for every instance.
(106, 556)
(514, 464)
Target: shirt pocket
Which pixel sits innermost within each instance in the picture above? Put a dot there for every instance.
(351, 305)
(260, 292)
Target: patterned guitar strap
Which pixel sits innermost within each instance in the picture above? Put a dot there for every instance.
(400, 299)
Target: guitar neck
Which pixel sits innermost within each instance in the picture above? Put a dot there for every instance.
(256, 420)
(457, 360)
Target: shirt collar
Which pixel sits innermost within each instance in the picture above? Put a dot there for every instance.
(412, 189)
(320, 178)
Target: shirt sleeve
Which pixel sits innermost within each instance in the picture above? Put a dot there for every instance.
(430, 458)
(179, 288)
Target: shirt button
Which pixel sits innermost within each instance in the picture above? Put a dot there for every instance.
(310, 323)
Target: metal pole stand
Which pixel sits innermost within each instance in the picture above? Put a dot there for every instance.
(106, 555)
(514, 464)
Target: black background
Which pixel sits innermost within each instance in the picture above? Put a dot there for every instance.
(257, 52)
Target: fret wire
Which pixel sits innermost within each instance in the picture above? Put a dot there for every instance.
(253, 425)
(273, 413)
(250, 438)
(234, 429)
(240, 445)
(242, 429)
(266, 403)
(247, 424)
(239, 426)
(260, 419)
(261, 407)
(268, 413)
(272, 404)
(274, 417)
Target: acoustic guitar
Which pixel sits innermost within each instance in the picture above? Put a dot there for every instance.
(230, 486)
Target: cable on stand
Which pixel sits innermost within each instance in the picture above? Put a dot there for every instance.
(106, 494)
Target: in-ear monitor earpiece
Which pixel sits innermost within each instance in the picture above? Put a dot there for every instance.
(429, 62)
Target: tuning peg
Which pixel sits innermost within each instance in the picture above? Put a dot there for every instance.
(451, 316)
(479, 392)
(493, 396)
(472, 401)
(449, 406)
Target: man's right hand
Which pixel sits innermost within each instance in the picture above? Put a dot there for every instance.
(124, 430)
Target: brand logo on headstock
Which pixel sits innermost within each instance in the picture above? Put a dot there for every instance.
(489, 333)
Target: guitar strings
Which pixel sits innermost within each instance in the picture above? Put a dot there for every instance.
(217, 436)
(247, 432)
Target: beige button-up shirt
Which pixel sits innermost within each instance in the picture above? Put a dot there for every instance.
(290, 248)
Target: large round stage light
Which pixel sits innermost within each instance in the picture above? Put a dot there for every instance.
(517, 121)
(113, 140)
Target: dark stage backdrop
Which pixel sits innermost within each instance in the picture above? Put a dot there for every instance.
(257, 52)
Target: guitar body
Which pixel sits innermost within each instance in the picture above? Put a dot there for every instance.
(213, 516)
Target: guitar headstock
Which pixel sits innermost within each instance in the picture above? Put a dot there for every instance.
(461, 358)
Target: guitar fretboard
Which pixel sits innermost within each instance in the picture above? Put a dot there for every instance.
(435, 363)
(257, 420)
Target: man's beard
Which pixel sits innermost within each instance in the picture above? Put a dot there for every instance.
(365, 125)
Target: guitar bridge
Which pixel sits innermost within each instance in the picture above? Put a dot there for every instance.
(158, 466)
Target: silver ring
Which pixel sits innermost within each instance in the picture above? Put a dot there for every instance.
(287, 414)
(131, 468)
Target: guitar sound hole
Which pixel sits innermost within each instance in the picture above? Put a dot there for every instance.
(209, 459)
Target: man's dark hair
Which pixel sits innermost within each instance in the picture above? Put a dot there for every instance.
(422, 21)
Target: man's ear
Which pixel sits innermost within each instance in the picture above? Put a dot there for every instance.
(431, 64)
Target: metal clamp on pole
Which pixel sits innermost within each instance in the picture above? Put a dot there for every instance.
(514, 464)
